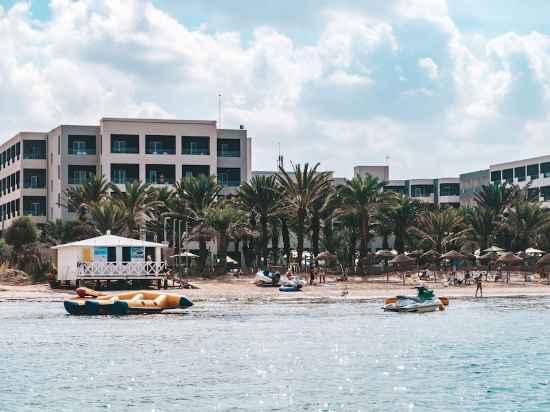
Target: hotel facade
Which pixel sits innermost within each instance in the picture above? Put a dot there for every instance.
(37, 168)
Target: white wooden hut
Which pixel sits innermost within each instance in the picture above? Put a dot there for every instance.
(109, 257)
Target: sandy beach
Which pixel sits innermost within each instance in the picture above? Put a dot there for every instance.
(242, 290)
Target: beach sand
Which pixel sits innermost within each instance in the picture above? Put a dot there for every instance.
(242, 290)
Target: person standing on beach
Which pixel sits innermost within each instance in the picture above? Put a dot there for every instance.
(479, 286)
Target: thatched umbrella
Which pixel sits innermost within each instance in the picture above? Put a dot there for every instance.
(402, 260)
(326, 255)
(453, 254)
(509, 259)
(386, 255)
(431, 254)
(488, 256)
(415, 253)
(545, 260)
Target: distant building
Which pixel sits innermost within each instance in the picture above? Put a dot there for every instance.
(381, 172)
(470, 184)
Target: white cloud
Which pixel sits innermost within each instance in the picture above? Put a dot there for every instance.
(429, 67)
(341, 78)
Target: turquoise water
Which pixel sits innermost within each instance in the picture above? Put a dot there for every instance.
(488, 355)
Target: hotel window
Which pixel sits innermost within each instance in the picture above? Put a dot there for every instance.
(195, 145)
(82, 145)
(159, 144)
(34, 149)
(519, 173)
(229, 176)
(496, 176)
(397, 189)
(160, 174)
(34, 205)
(533, 171)
(79, 174)
(195, 170)
(545, 193)
(545, 169)
(533, 193)
(421, 190)
(508, 175)
(34, 178)
(18, 149)
(124, 173)
(229, 148)
(449, 189)
(125, 143)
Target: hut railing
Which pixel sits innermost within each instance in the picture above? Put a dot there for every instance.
(121, 269)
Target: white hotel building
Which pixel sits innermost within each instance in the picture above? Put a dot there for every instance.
(37, 168)
(533, 172)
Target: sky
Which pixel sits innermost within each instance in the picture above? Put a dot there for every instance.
(433, 88)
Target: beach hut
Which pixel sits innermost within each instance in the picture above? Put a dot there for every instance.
(107, 258)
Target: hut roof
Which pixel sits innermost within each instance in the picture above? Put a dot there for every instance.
(109, 240)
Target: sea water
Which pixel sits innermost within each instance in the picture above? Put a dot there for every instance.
(479, 355)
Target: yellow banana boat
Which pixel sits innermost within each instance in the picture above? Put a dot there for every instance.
(90, 302)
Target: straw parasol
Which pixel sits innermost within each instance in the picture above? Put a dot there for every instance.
(545, 260)
(401, 260)
(415, 253)
(186, 254)
(385, 253)
(509, 259)
(488, 256)
(494, 249)
(533, 251)
(431, 254)
(326, 255)
(453, 254)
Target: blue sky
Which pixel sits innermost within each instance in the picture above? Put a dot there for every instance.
(441, 88)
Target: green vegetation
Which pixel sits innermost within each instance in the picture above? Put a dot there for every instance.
(291, 207)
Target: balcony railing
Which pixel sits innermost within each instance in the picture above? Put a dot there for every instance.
(34, 155)
(120, 270)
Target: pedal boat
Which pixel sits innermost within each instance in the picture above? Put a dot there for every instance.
(425, 301)
(90, 302)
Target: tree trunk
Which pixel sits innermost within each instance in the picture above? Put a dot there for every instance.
(399, 244)
(286, 238)
(275, 240)
(385, 243)
(315, 231)
(222, 255)
(263, 224)
(328, 235)
(300, 229)
(352, 246)
(363, 251)
(203, 254)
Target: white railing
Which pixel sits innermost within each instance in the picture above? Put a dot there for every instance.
(120, 269)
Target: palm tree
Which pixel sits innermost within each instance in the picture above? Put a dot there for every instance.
(106, 215)
(483, 222)
(301, 188)
(402, 216)
(193, 196)
(93, 190)
(440, 228)
(497, 196)
(60, 231)
(138, 202)
(155, 222)
(526, 222)
(320, 209)
(261, 197)
(363, 196)
(226, 222)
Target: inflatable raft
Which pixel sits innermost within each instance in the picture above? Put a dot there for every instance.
(90, 302)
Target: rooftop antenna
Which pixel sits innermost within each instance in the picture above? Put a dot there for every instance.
(219, 110)
(280, 161)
